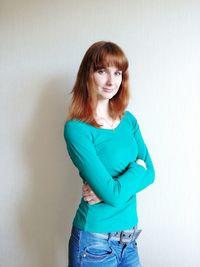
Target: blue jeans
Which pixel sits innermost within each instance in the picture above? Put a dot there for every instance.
(88, 250)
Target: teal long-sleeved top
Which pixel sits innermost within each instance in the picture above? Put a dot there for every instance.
(106, 159)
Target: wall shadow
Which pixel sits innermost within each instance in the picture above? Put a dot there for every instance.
(53, 189)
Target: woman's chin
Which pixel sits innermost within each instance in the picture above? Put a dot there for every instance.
(107, 96)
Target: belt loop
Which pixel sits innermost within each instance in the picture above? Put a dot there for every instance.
(121, 238)
(136, 234)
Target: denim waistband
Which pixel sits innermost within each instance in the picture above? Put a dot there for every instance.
(124, 236)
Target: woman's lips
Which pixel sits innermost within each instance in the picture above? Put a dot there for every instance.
(108, 90)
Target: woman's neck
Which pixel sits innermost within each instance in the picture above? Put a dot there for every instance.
(103, 117)
(102, 108)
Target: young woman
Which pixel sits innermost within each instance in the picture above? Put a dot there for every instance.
(105, 144)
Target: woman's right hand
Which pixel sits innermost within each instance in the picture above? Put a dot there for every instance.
(89, 195)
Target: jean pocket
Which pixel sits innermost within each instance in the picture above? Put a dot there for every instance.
(97, 252)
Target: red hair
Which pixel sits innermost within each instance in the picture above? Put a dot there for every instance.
(84, 98)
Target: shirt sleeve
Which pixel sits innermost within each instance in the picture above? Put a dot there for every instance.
(83, 154)
(143, 153)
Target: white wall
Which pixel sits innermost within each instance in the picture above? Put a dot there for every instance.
(42, 43)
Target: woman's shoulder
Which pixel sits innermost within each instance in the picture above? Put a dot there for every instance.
(130, 116)
(76, 128)
(76, 124)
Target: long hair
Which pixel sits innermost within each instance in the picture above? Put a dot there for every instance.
(84, 97)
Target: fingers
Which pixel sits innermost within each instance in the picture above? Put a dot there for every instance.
(87, 199)
(88, 195)
(91, 198)
(86, 187)
(87, 191)
(94, 201)
(141, 162)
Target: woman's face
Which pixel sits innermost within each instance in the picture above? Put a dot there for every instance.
(107, 81)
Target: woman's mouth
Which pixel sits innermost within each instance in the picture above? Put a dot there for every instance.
(108, 90)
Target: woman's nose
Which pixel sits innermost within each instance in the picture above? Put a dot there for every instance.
(110, 79)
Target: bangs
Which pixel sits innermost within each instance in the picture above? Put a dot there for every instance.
(109, 55)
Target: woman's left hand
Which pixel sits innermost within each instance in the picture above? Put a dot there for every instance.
(142, 163)
(89, 195)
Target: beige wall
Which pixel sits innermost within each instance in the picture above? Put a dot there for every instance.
(42, 43)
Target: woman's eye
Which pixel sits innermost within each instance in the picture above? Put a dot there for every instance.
(118, 73)
(101, 71)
